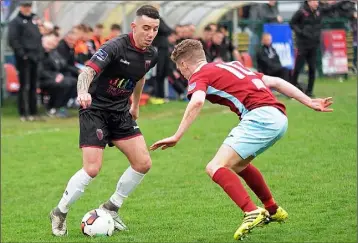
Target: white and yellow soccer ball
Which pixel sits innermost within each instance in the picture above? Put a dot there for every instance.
(97, 222)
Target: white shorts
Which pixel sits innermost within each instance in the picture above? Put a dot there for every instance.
(258, 130)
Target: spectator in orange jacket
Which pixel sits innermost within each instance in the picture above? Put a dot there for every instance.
(116, 30)
(98, 36)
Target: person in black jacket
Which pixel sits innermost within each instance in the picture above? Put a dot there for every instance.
(162, 43)
(52, 80)
(24, 38)
(307, 25)
(66, 50)
(178, 82)
(268, 61)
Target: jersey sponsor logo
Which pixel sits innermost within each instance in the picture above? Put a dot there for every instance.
(99, 133)
(101, 55)
(191, 86)
(124, 61)
(123, 83)
(119, 87)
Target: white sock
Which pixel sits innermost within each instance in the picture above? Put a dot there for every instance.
(126, 184)
(74, 189)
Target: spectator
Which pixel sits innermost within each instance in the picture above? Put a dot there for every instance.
(48, 27)
(25, 40)
(206, 41)
(52, 80)
(307, 24)
(213, 27)
(57, 30)
(192, 31)
(66, 50)
(98, 35)
(180, 33)
(91, 46)
(84, 47)
(217, 53)
(268, 62)
(116, 30)
(161, 42)
(178, 82)
(232, 53)
(261, 14)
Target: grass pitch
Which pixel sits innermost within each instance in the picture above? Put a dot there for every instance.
(311, 172)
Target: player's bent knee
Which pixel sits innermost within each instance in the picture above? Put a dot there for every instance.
(212, 167)
(92, 170)
(143, 166)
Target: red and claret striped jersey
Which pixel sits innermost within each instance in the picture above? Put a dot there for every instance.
(231, 84)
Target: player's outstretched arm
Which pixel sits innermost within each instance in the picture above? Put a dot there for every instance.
(290, 90)
(191, 112)
(137, 93)
(84, 81)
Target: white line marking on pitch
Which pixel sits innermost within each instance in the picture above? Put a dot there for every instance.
(31, 132)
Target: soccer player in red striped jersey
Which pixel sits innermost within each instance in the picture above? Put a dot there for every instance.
(263, 122)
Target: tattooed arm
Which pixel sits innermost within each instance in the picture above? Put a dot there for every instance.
(84, 81)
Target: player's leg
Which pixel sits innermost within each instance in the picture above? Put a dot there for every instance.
(311, 58)
(92, 141)
(258, 130)
(127, 137)
(219, 169)
(299, 63)
(255, 180)
(137, 154)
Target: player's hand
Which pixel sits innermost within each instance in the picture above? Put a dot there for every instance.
(165, 143)
(321, 104)
(134, 111)
(84, 99)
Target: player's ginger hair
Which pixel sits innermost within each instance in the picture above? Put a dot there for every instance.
(190, 50)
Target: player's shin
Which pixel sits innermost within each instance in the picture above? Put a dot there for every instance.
(74, 190)
(232, 185)
(257, 184)
(126, 184)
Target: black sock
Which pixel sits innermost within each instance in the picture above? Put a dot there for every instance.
(58, 212)
(110, 206)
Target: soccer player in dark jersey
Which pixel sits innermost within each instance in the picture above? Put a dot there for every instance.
(114, 73)
(263, 121)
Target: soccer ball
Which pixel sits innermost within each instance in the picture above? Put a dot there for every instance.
(97, 223)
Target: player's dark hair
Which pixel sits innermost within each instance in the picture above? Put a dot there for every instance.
(148, 10)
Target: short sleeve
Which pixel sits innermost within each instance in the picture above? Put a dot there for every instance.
(260, 75)
(104, 56)
(197, 83)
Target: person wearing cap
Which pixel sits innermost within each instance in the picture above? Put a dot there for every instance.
(25, 39)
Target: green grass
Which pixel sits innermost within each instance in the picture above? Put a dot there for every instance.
(311, 171)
